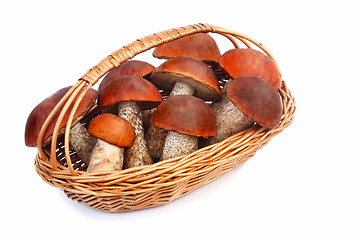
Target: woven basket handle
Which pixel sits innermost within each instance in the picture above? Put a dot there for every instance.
(114, 60)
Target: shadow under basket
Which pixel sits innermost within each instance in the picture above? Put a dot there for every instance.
(162, 182)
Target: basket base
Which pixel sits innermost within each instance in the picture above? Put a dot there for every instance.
(152, 198)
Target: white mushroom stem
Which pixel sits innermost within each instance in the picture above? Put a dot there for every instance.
(137, 154)
(82, 142)
(181, 88)
(106, 157)
(177, 144)
(229, 120)
(156, 137)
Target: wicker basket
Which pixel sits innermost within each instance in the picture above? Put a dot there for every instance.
(162, 182)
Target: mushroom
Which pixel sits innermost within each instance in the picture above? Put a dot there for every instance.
(246, 62)
(113, 134)
(79, 138)
(131, 94)
(131, 67)
(186, 118)
(200, 46)
(247, 100)
(185, 76)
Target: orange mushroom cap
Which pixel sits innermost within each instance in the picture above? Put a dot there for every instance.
(127, 89)
(190, 71)
(257, 99)
(131, 67)
(39, 114)
(185, 114)
(112, 129)
(200, 46)
(246, 62)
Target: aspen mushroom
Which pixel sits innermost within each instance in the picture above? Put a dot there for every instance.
(79, 138)
(186, 118)
(132, 67)
(113, 134)
(200, 46)
(246, 62)
(185, 76)
(247, 100)
(131, 94)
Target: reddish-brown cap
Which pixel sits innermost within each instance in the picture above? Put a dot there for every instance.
(130, 89)
(200, 46)
(190, 71)
(185, 114)
(131, 67)
(112, 129)
(39, 114)
(257, 99)
(244, 62)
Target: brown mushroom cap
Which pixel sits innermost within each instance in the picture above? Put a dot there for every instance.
(128, 89)
(190, 71)
(200, 46)
(185, 114)
(257, 99)
(112, 129)
(131, 67)
(244, 62)
(39, 114)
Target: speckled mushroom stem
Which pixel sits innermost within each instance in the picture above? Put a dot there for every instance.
(82, 142)
(156, 137)
(105, 157)
(137, 154)
(229, 120)
(182, 89)
(177, 144)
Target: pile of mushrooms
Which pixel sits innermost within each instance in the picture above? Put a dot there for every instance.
(138, 124)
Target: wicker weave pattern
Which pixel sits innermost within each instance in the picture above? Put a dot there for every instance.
(165, 181)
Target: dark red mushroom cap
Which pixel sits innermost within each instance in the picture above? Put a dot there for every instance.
(245, 62)
(200, 46)
(112, 129)
(130, 89)
(131, 67)
(185, 114)
(193, 72)
(257, 99)
(39, 114)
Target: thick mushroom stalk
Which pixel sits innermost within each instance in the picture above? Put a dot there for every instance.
(82, 142)
(247, 100)
(177, 144)
(114, 134)
(181, 88)
(105, 157)
(229, 120)
(186, 118)
(137, 154)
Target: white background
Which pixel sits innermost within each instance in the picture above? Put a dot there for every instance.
(303, 185)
